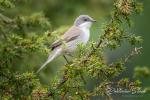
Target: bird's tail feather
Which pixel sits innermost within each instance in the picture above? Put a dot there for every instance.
(53, 55)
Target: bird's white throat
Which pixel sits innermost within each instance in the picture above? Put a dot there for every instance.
(85, 27)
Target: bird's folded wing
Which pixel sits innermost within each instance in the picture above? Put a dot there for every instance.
(70, 35)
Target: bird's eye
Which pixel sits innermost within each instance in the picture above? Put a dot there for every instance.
(85, 19)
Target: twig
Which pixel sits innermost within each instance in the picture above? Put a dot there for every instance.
(63, 96)
(5, 19)
(84, 81)
(80, 94)
(134, 52)
(92, 51)
(4, 35)
(64, 79)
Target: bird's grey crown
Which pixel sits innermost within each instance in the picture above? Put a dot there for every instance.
(81, 19)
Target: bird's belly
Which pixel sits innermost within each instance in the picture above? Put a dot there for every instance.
(82, 39)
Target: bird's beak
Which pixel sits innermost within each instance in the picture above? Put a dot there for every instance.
(93, 20)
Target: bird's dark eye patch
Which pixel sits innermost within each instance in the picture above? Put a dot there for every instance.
(85, 19)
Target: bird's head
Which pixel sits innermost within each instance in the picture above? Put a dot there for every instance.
(84, 21)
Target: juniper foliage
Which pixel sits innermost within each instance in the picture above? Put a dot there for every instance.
(20, 36)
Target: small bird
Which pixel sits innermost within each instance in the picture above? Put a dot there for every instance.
(78, 33)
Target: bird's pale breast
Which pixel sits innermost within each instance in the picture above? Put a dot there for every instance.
(83, 38)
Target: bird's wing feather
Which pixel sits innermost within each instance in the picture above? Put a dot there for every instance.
(70, 35)
(55, 44)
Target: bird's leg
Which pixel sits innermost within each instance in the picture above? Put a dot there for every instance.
(66, 58)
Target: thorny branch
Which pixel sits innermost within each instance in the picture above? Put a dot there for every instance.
(135, 51)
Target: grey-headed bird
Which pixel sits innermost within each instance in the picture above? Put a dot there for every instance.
(78, 33)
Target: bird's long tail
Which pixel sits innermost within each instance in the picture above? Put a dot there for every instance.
(53, 55)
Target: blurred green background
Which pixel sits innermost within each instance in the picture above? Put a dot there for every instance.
(62, 13)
